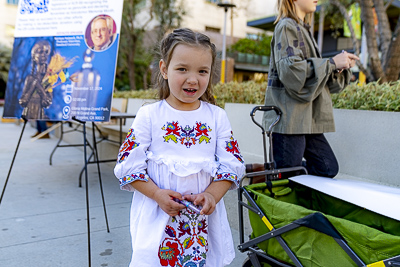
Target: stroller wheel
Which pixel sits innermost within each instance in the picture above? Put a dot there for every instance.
(263, 262)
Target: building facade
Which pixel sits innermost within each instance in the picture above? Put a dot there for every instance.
(201, 15)
(8, 14)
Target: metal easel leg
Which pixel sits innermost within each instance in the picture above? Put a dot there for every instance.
(12, 162)
(58, 143)
(87, 189)
(96, 156)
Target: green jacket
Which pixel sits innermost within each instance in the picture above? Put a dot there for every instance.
(300, 82)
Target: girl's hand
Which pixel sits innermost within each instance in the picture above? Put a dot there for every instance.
(345, 60)
(165, 199)
(205, 199)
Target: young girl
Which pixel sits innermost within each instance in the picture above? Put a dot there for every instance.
(300, 83)
(181, 148)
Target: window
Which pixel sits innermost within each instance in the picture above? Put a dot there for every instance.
(12, 2)
(213, 29)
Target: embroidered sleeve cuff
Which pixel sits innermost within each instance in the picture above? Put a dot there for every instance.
(228, 177)
(131, 178)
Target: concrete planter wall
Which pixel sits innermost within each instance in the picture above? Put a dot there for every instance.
(366, 143)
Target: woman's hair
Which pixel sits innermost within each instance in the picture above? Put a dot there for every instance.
(187, 37)
(286, 8)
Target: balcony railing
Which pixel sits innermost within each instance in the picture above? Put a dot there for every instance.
(12, 2)
(249, 58)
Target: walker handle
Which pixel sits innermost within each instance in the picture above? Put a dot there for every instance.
(266, 108)
(267, 164)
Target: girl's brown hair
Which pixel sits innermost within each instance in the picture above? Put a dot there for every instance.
(287, 9)
(187, 37)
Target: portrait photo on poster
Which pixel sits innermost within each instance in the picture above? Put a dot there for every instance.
(100, 33)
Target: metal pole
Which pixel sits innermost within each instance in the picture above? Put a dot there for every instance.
(13, 160)
(223, 63)
(321, 28)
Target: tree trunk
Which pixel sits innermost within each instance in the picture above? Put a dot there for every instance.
(385, 34)
(374, 61)
(392, 68)
(131, 66)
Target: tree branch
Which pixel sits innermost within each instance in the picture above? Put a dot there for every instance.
(388, 4)
(344, 13)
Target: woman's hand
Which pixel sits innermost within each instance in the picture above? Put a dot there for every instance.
(165, 199)
(345, 60)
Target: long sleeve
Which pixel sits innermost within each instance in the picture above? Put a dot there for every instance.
(231, 164)
(131, 164)
(303, 77)
(300, 82)
(302, 72)
(338, 81)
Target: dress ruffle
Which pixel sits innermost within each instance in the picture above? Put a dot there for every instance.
(182, 167)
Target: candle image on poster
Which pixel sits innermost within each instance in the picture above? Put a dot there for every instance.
(64, 60)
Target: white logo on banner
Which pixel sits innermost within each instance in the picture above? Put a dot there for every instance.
(34, 6)
(66, 111)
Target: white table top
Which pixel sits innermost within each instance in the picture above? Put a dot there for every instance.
(381, 199)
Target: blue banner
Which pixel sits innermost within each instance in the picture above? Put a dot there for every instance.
(64, 60)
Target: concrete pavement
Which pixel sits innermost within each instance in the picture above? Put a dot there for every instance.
(43, 211)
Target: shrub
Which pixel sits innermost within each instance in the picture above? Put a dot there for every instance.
(5, 61)
(259, 46)
(247, 92)
(371, 96)
(144, 94)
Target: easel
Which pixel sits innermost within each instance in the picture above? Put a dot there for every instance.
(12, 162)
(95, 153)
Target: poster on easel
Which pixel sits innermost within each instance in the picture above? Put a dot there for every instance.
(64, 60)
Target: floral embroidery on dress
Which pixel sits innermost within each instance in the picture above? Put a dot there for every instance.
(127, 146)
(133, 177)
(233, 147)
(187, 135)
(227, 176)
(185, 241)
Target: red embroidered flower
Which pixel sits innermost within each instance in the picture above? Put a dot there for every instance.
(232, 147)
(201, 129)
(173, 128)
(168, 254)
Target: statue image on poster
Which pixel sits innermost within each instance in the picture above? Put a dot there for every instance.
(37, 94)
(36, 70)
(100, 33)
(34, 97)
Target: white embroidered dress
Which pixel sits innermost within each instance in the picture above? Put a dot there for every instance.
(183, 151)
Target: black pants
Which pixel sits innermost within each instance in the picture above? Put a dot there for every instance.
(290, 149)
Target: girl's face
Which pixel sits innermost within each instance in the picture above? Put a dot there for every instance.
(304, 7)
(188, 75)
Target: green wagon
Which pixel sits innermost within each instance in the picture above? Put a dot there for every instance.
(315, 221)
